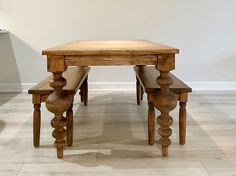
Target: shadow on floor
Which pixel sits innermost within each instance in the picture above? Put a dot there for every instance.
(106, 136)
(9, 72)
(2, 125)
(5, 98)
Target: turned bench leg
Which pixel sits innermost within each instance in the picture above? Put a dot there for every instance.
(142, 92)
(182, 122)
(151, 124)
(36, 124)
(81, 93)
(138, 91)
(69, 126)
(85, 91)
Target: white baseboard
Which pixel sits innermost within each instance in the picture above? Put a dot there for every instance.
(116, 86)
(15, 87)
(212, 85)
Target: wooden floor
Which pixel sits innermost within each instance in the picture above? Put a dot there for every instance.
(110, 138)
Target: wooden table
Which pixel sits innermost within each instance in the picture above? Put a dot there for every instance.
(94, 53)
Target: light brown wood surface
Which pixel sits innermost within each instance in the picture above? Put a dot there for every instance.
(131, 52)
(165, 100)
(111, 60)
(182, 122)
(74, 76)
(36, 124)
(131, 47)
(148, 74)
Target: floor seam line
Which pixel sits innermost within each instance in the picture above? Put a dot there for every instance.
(20, 169)
(205, 168)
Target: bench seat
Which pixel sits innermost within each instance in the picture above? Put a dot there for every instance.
(74, 77)
(148, 74)
(146, 82)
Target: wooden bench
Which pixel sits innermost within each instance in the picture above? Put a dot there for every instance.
(146, 81)
(76, 79)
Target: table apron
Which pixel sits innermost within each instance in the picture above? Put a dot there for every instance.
(111, 60)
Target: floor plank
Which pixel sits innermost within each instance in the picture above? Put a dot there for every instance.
(110, 138)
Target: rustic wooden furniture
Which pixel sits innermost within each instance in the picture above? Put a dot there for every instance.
(76, 79)
(134, 52)
(145, 80)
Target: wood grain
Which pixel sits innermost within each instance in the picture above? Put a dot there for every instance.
(165, 100)
(111, 60)
(36, 124)
(151, 124)
(131, 47)
(69, 126)
(148, 74)
(58, 102)
(85, 91)
(138, 91)
(74, 76)
(129, 52)
(182, 122)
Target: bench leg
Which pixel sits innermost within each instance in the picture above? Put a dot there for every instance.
(151, 124)
(182, 122)
(69, 126)
(85, 91)
(142, 92)
(82, 93)
(36, 124)
(138, 91)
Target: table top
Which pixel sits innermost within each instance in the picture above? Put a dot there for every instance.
(126, 47)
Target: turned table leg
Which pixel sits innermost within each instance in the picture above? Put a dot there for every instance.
(165, 100)
(57, 103)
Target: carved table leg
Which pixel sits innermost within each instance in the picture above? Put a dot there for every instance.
(57, 103)
(36, 124)
(165, 100)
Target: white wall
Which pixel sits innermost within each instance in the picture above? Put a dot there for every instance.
(203, 30)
